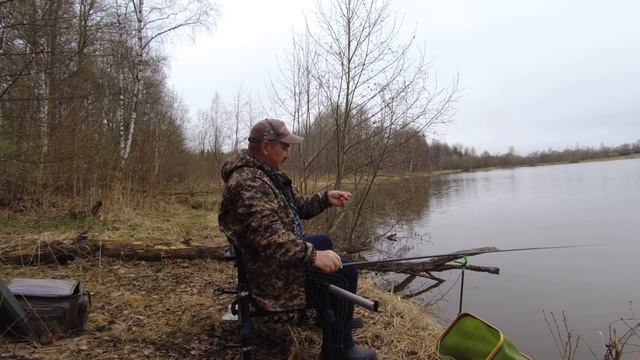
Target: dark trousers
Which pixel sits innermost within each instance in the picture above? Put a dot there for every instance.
(346, 278)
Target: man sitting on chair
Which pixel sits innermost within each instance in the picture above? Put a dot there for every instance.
(262, 216)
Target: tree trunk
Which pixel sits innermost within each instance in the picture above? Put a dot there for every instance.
(137, 82)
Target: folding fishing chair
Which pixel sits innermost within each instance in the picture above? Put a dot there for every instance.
(245, 309)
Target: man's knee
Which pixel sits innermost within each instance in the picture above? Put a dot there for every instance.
(320, 242)
(350, 271)
(350, 274)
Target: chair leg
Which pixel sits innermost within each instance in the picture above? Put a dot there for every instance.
(245, 325)
(328, 323)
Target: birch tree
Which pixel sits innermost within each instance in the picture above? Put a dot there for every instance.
(153, 20)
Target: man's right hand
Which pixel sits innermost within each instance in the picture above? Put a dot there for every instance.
(327, 261)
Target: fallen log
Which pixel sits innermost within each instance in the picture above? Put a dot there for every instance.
(61, 252)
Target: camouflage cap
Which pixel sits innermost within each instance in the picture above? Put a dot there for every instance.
(272, 130)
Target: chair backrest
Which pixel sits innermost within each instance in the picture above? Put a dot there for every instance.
(236, 255)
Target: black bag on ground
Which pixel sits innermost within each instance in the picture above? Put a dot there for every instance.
(52, 306)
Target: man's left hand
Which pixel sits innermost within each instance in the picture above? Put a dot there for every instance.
(338, 198)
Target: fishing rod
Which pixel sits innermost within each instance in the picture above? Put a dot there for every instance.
(461, 254)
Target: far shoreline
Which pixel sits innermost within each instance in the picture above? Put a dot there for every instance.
(386, 177)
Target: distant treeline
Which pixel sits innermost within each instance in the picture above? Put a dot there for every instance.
(442, 156)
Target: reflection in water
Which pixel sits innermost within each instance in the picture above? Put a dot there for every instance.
(388, 207)
(394, 208)
(409, 280)
(387, 226)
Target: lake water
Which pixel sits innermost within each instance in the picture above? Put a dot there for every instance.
(585, 203)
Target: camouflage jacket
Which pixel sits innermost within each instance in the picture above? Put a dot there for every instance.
(255, 217)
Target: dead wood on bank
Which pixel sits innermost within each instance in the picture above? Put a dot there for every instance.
(426, 268)
(441, 263)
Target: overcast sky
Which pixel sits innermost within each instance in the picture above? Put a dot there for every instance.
(534, 74)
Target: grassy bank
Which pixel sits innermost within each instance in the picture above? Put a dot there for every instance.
(166, 309)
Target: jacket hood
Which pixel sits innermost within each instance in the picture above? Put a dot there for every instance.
(244, 159)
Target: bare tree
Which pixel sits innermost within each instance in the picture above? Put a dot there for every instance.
(295, 94)
(238, 118)
(372, 76)
(352, 70)
(216, 122)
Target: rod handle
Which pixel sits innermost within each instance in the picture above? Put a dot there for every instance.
(356, 299)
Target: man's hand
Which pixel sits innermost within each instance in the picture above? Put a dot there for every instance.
(338, 198)
(327, 261)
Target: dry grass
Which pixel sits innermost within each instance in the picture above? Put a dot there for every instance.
(166, 310)
(170, 224)
(166, 223)
(403, 329)
(140, 309)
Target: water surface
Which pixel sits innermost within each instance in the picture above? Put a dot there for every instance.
(586, 203)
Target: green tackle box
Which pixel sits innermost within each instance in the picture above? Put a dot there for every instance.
(471, 338)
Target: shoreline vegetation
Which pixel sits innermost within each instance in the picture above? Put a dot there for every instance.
(166, 309)
(507, 167)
